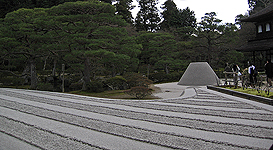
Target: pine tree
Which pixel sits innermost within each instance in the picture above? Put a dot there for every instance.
(170, 14)
(257, 5)
(147, 18)
(176, 18)
(212, 34)
(123, 8)
(88, 36)
(7, 6)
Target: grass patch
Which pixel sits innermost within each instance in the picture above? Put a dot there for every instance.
(252, 92)
(105, 94)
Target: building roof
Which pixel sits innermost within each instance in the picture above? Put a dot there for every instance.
(261, 15)
(257, 45)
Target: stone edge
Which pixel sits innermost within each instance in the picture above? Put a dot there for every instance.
(242, 95)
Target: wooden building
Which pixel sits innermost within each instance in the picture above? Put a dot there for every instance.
(262, 46)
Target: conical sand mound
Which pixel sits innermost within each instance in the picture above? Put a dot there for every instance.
(199, 74)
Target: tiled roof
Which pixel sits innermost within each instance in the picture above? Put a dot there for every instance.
(257, 45)
(264, 13)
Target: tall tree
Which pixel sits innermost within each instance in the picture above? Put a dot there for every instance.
(88, 36)
(147, 18)
(159, 51)
(8, 44)
(257, 5)
(165, 54)
(97, 37)
(187, 18)
(25, 29)
(123, 8)
(170, 15)
(213, 34)
(176, 18)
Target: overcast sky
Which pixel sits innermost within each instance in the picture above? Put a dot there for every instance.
(226, 10)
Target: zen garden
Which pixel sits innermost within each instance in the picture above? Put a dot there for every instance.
(97, 48)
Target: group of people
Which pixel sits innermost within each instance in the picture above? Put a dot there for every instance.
(252, 71)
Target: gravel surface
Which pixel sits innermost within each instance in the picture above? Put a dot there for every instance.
(206, 120)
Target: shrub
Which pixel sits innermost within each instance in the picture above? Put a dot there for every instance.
(158, 77)
(95, 86)
(45, 87)
(75, 86)
(161, 77)
(11, 81)
(117, 83)
(139, 92)
(173, 77)
(135, 79)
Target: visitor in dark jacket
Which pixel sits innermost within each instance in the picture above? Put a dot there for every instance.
(252, 74)
(269, 71)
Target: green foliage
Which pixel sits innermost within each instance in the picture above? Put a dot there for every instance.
(103, 45)
(75, 86)
(176, 18)
(123, 8)
(7, 6)
(26, 38)
(11, 81)
(234, 57)
(256, 5)
(92, 39)
(147, 18)
(252, 92)
(162, 51)
(183, 33)
(174, 76)
(79, 33)
(117, 83)
(45, 87)
(139, 92)
(95, 86)
(135, 79)
(161, 77)
(212, 34)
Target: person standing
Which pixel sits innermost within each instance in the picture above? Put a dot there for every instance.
(236, 69)
(252, 74)
(269, 71)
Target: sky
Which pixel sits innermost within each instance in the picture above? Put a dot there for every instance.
(226, 10)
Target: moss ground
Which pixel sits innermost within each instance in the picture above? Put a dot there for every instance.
(252, 91)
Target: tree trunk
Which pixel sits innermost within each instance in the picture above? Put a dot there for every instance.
(54, 68)
(148, 71)
(33, 74)
(166, 69)
(26, 74)
(45, 63)
(86, 73)
(114, 72)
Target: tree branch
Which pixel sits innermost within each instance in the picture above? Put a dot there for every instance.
(14, 74)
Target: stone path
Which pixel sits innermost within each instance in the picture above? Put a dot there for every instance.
(204, 119)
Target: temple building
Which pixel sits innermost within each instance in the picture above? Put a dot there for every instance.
(261, 46)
